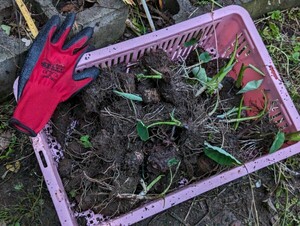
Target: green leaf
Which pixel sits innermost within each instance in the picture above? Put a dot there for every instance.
(278, 142)
(276, 15)
(295, 136)
(220, 156)
(275, 32)
(73, 193)
(256, 69)
(85, 141)
(142, 131)
(191, 42)
(252, 85)
(6, 28)
(295, 57)
(172, 162)
(205, 57)
(200, 74)
(128, 96)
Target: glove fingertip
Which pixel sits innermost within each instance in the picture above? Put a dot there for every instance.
(92, 72)
(65, 27)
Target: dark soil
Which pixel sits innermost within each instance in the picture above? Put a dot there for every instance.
(100, 174)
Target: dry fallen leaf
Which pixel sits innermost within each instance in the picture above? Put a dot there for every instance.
(13, 167)
(129, 2)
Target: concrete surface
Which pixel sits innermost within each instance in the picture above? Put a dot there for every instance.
(256, 8)
(107, 17)
(11, 51)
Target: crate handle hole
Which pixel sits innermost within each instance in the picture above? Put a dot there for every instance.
(42, 157)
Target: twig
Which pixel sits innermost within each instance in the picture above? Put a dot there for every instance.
(135, 196)
(148, 15)
(162, 15)
(189, 211)
(253, 204)
(100, 183)
(178, 218)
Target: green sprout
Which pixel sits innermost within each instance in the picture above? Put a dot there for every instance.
(146, 188)
(143, 130)
(85, 141)
(171, 163)
(211, 85)
(156, 75)
(238, 82)
(128, 96)
(259, 115)
(239, 113)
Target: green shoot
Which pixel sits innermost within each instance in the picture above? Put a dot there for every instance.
(213, 85)
(147, 188)
(232, 112)
(295, 136)
(239, 113)
(219, 155)
(172, 176)
(128, 96)
(238, 82)
(252, 117)
(142, 76)
(278, 142)
(85, 141)
(256, 69)
(143, 130)
(156, 75)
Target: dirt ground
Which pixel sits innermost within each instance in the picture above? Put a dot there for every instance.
(267, 197)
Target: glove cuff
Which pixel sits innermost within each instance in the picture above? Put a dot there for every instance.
(34, 109)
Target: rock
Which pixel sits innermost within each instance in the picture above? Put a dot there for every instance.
(256, 8)
(11, 51)
(5, 138)
(107, 17)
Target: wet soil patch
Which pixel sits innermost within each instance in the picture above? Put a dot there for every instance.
(106, 165)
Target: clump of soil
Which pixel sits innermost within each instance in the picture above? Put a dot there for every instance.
(107, 172)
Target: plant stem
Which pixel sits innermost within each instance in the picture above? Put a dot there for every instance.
(141, 76)
(171, 180)
(252, 117)
(164, 123)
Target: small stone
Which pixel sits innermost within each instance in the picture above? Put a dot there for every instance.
(5, 138)
(151, 96)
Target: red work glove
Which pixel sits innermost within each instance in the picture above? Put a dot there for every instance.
(48, 76)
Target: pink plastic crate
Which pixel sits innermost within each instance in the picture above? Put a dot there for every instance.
(216, 32)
